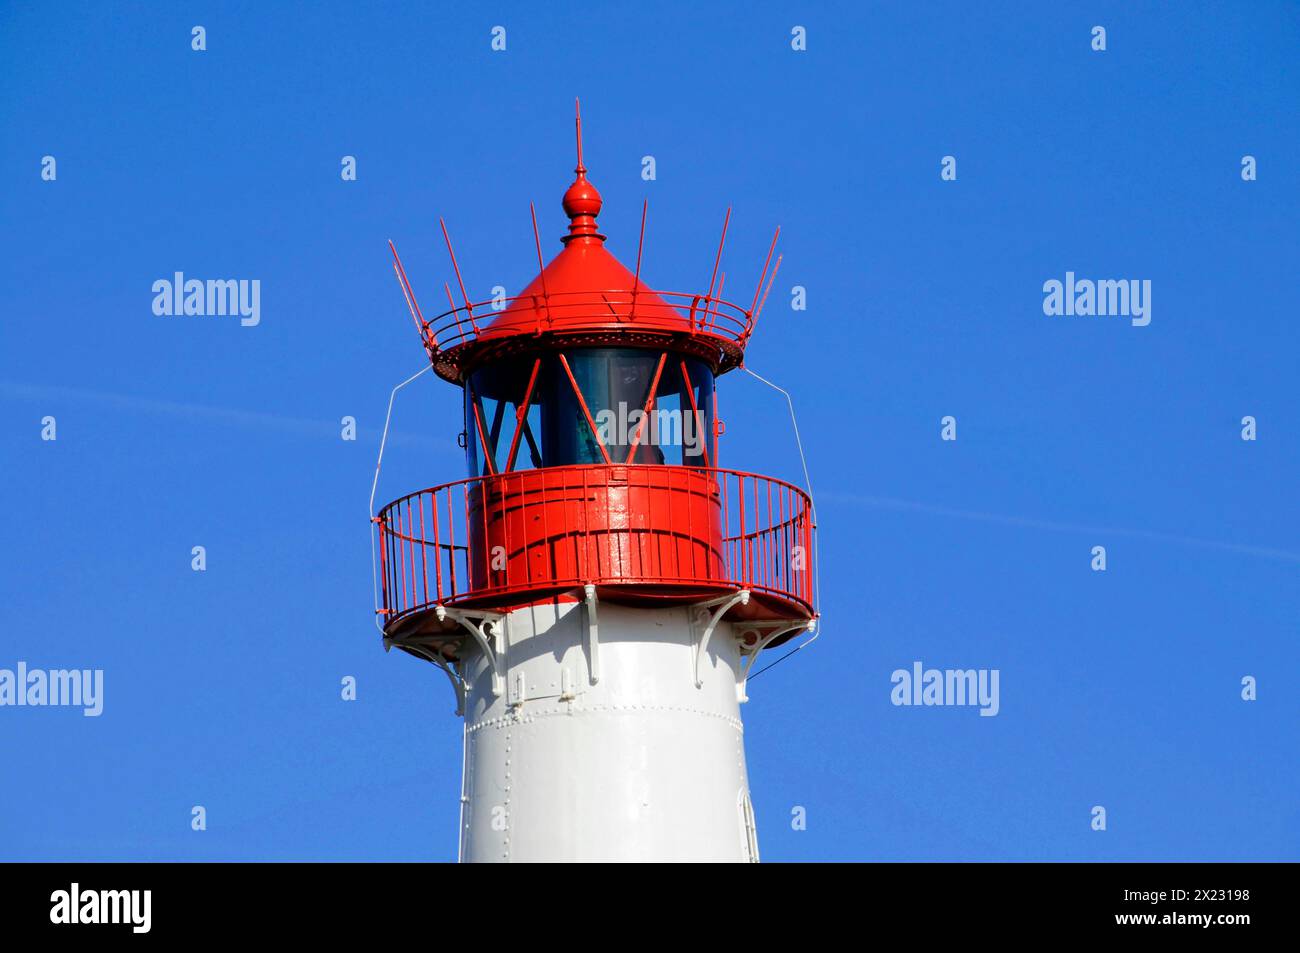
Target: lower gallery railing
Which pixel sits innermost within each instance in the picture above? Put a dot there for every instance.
(664, 531)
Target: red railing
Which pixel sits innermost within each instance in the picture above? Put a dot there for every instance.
(666, 531)
(701, 313)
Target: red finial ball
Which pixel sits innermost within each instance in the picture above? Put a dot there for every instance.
(582, 204)
(582, 198)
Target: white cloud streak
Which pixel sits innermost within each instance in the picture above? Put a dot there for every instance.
(889, 503)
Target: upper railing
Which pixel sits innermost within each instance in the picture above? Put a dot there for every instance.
(646, 310)
(653, 531)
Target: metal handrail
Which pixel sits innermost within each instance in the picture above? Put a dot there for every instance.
(703, 314)
(759, 536)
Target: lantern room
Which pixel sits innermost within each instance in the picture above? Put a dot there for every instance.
(590, 405)
(591, 435)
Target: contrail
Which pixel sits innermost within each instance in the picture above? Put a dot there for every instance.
(890, 503)
(238, 418)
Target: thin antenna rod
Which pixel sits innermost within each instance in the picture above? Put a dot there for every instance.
(407, 295)
(577, 113)
(716, 311)
(541, 267)
(455, 312)
(722, 241)
(461, 281)
(640, 243)
(408, 292)
(763, 273)
(401, 274)
(537, 240)
(775, 268)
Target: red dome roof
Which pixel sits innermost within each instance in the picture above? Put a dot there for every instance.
(585, 288)
(586, 297)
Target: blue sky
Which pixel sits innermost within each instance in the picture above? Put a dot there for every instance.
(1118, 688)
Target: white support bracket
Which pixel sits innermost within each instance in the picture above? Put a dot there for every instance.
(457, 683)
(487, 633)
(431, 653)
(722, 603)
(763, 643)
(593, 633)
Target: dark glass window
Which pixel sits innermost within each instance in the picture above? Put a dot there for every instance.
(615, 384)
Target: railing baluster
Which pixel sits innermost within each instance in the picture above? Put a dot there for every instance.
(424, 552)
(437, 544)
(547, 551)
(668, 548)
(485, 494)
(451, 542)
(665, 563)
(790, 526)
(609, 530)
(691, 479)
(588, 566)
(783, 541)
(806, 582)
(410, 532)
(383, 561)
(663, 558)
(740, 537)
(394, 541)
(504, 516)
(525, 504)
(724, 490)
(401, 550)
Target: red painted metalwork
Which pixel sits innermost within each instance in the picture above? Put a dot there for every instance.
(717, 428)
(640, 246)
(615, 310)
(482, 432)
(585, 296)
(461, 281)
(718, 259)
(695, 409)
(763, 274)
(645, 413)
(409, 293)
(640, 533)
(522, 414)
(770, 281)
(586, 411)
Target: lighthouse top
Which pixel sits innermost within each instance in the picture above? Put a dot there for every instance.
(586, 297)
(591, 439)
